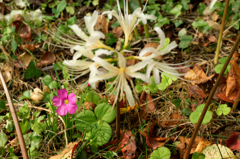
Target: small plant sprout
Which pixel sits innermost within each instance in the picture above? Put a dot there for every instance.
(66, 103)
(223, 109)
(196, 114)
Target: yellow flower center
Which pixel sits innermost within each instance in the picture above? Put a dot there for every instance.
(122, 69)
(66, 101)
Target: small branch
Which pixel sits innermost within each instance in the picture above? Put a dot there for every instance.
(221, 33)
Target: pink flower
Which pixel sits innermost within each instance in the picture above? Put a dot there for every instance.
(66, 103)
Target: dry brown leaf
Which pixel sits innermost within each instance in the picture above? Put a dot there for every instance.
(150, 104)
(66, 153)
(24, 60)
(89, 105)
(117, 31)
(196, 92)
(102, 23)
(46, 89)
(37, 95)
(7, 72)
(171, 123)
(184, 142)
(197, 75)
(215, 25)
(25, 33)
(30, 47)
(214, 16)
(202, 145)
(48, 58)
(128, 145)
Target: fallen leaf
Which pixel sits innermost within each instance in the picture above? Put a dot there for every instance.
(7, 72)
(66, 153)
(202, 145)
(118, 32)
(196, 92)
(48, 58)
(132, 61)
(206, 40)
(234, 141)
(102, 23)
(171, 123)
(216, 151)
(30, 47)
(89, 105)
(147, 100)
(184, 142)
(114, 145)
(197, 75)
(24, 60)
(25, 32)
(128, 145)
(37, 95)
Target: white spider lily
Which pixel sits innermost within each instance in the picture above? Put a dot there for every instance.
(79, 68)
(128, 21)
(91, 42)
(159, 67)
(158, 51)
(121, 74)
(212, 4)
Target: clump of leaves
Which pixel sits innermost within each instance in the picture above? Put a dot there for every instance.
(223, 109)
(185, 40)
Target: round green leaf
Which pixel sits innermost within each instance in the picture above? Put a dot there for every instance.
(161, 153)
(223, 109)
(104, 134)
(198, 155)
(85, 120)
(138, 88)
(194, 117)
(105, 112)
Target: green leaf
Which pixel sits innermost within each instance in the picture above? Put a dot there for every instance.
(9, 126)
(48, 81)
(167, 7)
(219, 67)
(70, 10)
(110, 39)
(25, 126)
(177, 103)
(186, 111)
(2, 152)
(217, 5)
(203, 26)
(35, 142)
(81, 155)
(223, 109)
(177, 22)
(38, 127)
(166, 81)
(161, 21)
(61, 6)
(115, 24)
(25, 112)
(105, 112)
(194, 117)
(185, 4)
(13, 45)
(161, 153)
(182, 33)
(202, 7)
(95, 2)
(185, 41)
(85, 120)
(32, 71)
(93, 97)
(198, 155)
(72, 20)
(62, 29)
(176, 10)
(138, 88)
(26, 95)
(153, 87)
(3, 139)
(2, 105)
(104, 134)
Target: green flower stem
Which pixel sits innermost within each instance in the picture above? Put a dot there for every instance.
(221, 32)
(127, 58)
(107, 47)
(144, 25)
(135, 29)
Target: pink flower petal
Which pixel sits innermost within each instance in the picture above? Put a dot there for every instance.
(57, 101)
(62, 93)
(62, 110)
(72, 98)
(72, 108)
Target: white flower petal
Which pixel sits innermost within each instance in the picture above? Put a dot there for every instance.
(212, 4)
(103, 52)
(77, 55)
(102, 77)
(140, 76)
(128, 93)
(90, 21)
(149, 68)
(156, 75)
(161, 35)
(146, 50)
(78, 32)
(171, 46)
(121, 61)
(137, 66)
(105, 64)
